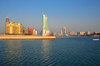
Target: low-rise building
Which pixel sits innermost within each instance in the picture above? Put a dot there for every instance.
(87, 33)
(25, 31)
(73, 33)
(81, 33)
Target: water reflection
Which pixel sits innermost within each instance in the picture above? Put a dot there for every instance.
(45, 52)
(13, 51)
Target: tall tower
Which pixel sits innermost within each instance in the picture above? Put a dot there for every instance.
(7, 19)
(45, 28)
(64, 30)
(6, 25)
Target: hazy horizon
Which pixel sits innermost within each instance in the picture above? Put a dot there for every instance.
(76, 15)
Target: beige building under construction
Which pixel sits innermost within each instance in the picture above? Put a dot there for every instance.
(13, 28)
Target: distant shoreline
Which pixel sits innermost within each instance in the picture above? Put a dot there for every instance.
(81, 36)
(26, 37)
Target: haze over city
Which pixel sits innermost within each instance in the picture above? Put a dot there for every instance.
(76, 15)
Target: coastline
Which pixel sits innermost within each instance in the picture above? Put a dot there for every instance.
(26, 37)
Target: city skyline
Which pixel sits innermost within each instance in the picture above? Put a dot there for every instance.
(76, 15)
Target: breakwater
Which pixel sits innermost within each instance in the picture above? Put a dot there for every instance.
(26, 37)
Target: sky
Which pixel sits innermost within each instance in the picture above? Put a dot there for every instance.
(76, 15)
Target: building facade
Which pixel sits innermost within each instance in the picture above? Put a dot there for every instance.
(73, 33)
(45, 31)
(81, 33)
(13, 28)
(45, 28)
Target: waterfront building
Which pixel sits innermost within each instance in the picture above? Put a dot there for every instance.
(87, 33)
(45, 31)
(73, 33)
(97, 33)
(35, 32)
(61, 32)
(13, 28)
(30, 30)
(67, 34)
(81, 33)
(64, 30)
(60, 35)
(45, 28)
(25, 31)
(7, 19)
(6, 27)
(49, 33)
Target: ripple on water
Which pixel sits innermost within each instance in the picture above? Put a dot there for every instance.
(70, 51)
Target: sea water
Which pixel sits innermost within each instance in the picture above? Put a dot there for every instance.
(63, 51)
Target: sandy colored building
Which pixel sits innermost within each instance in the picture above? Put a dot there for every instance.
(73, 33)
(13, 28)
(81, 33)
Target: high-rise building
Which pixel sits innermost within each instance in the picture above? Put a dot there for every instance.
(64, 30)
(45, 31)
(45, 28)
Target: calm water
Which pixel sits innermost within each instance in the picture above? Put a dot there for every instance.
(70, 51)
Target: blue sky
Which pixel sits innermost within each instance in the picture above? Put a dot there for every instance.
(76, 15)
